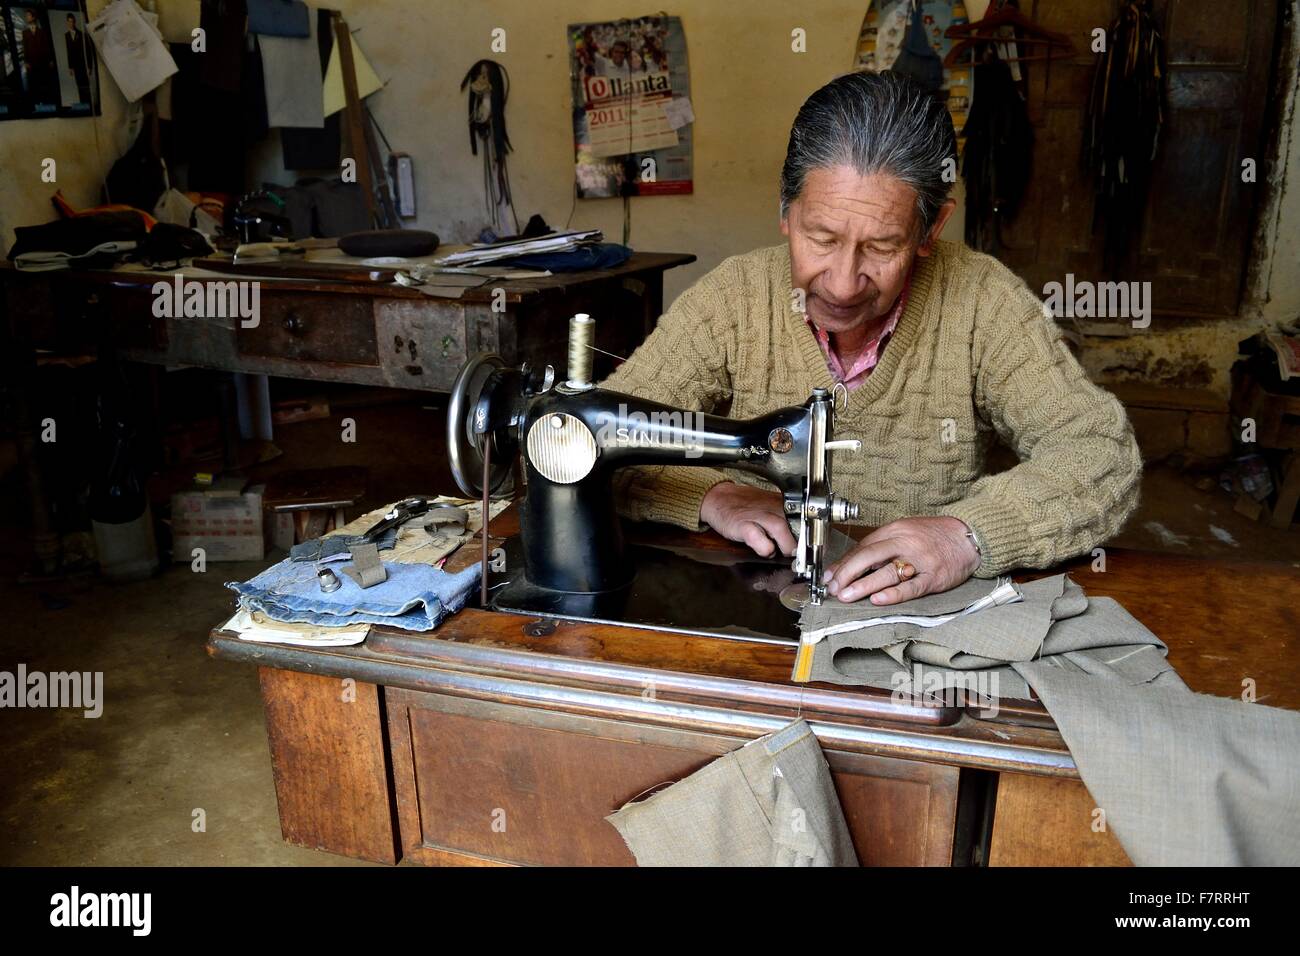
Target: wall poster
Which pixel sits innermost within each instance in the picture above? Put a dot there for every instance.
(632, 112)
(48, 65)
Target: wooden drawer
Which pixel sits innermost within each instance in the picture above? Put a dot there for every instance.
(69, 314)
(479, 782)
(337, 329)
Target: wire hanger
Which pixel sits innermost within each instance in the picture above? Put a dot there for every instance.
(1028, 33)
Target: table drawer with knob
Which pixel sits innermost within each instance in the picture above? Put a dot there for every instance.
(325, 328)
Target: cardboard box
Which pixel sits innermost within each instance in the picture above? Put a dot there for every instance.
(227, 527)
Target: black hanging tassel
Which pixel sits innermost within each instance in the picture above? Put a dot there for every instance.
(999, 143)
(1122, 127)
(489, 88)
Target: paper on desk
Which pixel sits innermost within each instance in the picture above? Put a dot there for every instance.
(552, 243)
(131, 47)
(262, 630)
(367, 81)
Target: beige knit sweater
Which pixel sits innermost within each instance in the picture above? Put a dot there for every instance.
(974, 353)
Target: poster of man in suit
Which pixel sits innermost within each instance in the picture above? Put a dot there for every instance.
(11, 85)
(79, 57)
(49, 63)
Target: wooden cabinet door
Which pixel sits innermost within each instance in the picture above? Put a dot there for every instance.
(487, 783)
(1196, 228)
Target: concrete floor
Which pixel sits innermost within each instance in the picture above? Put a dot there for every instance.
(182, 732)
(179, 731)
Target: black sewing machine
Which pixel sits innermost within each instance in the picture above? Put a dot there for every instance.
(572, 560)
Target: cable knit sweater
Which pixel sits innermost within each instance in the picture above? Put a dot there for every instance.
(974, 354)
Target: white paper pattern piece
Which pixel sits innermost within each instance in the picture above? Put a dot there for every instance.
(679, 112)
(335, 98)
(132, 49)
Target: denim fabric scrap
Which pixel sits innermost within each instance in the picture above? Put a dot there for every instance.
(415, 596)
(770, 803)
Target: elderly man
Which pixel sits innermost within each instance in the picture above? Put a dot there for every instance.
(940, 349)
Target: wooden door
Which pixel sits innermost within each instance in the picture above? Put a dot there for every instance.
(1196, 229)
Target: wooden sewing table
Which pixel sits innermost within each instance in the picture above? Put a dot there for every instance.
(504, 739)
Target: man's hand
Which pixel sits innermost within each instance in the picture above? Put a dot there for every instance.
(749, 515)
(935, 555)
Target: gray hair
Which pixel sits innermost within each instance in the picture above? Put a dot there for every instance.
(875, 123)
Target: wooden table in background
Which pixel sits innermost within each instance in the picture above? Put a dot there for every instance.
(354, 332)
(360, 333)
(501, 738)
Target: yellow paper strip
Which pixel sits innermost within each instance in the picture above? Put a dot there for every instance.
(367, 80)
(803, 663)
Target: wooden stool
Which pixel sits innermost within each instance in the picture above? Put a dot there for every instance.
(307, 503)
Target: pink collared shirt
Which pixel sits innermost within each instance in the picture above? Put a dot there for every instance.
(869, 357)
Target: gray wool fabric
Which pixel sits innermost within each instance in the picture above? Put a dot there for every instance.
(770, 803)
(1184, 779)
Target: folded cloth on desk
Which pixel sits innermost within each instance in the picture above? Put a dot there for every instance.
(415, 596)
(1049, 619)
(770, 803)
(601, 255)
(1184, 779)
(81, 240)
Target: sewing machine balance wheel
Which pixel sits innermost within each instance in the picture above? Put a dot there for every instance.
(468, 431)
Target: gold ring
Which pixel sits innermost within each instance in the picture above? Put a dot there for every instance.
(904, 570)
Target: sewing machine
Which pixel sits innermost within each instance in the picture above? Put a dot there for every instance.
(572, 560)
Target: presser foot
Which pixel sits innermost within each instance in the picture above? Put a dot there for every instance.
(796, 596)
(800, 594)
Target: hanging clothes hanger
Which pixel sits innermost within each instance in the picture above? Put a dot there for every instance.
(971, 36)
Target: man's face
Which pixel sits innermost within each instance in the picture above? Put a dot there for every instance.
(852, 242)
(616, 53)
